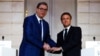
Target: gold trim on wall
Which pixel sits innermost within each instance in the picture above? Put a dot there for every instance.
(26, 12)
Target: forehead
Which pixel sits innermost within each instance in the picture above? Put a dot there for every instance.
(65, 16)
(42, 5)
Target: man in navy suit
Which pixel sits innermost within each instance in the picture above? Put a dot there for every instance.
(69, 39)
(36, 37)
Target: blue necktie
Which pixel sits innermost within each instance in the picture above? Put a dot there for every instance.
(41, 29)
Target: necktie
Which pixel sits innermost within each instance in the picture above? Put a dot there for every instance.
(41, 29)
(65, 35)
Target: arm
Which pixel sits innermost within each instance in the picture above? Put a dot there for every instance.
(48, 38)
(58, 48)
(50, 42)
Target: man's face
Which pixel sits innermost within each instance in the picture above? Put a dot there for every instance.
(66, 20)
(42, 11)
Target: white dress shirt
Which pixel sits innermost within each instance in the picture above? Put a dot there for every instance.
(67, 30)
(38, 18)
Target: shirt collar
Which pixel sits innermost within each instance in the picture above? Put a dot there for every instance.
(38, 18)
(67, 27)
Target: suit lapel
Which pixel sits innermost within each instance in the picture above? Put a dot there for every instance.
(61, 36)
(36, 22)
(37, 26)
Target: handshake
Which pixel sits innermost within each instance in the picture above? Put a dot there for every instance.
(47, 48)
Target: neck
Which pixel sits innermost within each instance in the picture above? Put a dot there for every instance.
(39, 16)
(66, 26)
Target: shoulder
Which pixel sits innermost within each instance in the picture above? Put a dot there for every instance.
(45, 22)
(30, 17)
(61, 32)
(76, 27)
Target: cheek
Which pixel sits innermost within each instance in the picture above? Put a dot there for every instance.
(64, 22)
(43, 14)
(67, 22)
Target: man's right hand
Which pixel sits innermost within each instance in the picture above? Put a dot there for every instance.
(46, 47)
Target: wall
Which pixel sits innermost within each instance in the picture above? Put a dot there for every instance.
(11, 19)
(88, 13)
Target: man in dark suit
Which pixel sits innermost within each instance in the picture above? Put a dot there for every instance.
(69, 39)
(36, 37)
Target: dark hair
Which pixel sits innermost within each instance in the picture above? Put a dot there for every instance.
(66, 13)
(42, 3)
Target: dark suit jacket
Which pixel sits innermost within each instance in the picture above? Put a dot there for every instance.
(32, 45)
(72, 44)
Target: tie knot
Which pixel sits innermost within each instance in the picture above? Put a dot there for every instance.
(40, 21)
(65, 29)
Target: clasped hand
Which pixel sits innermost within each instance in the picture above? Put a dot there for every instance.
(49, 49)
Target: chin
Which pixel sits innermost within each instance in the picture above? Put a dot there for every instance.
(66, 25)
(41, 16)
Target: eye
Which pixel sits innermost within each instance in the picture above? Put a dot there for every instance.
(42, 9)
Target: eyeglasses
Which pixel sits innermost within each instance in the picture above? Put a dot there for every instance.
(42, 9)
